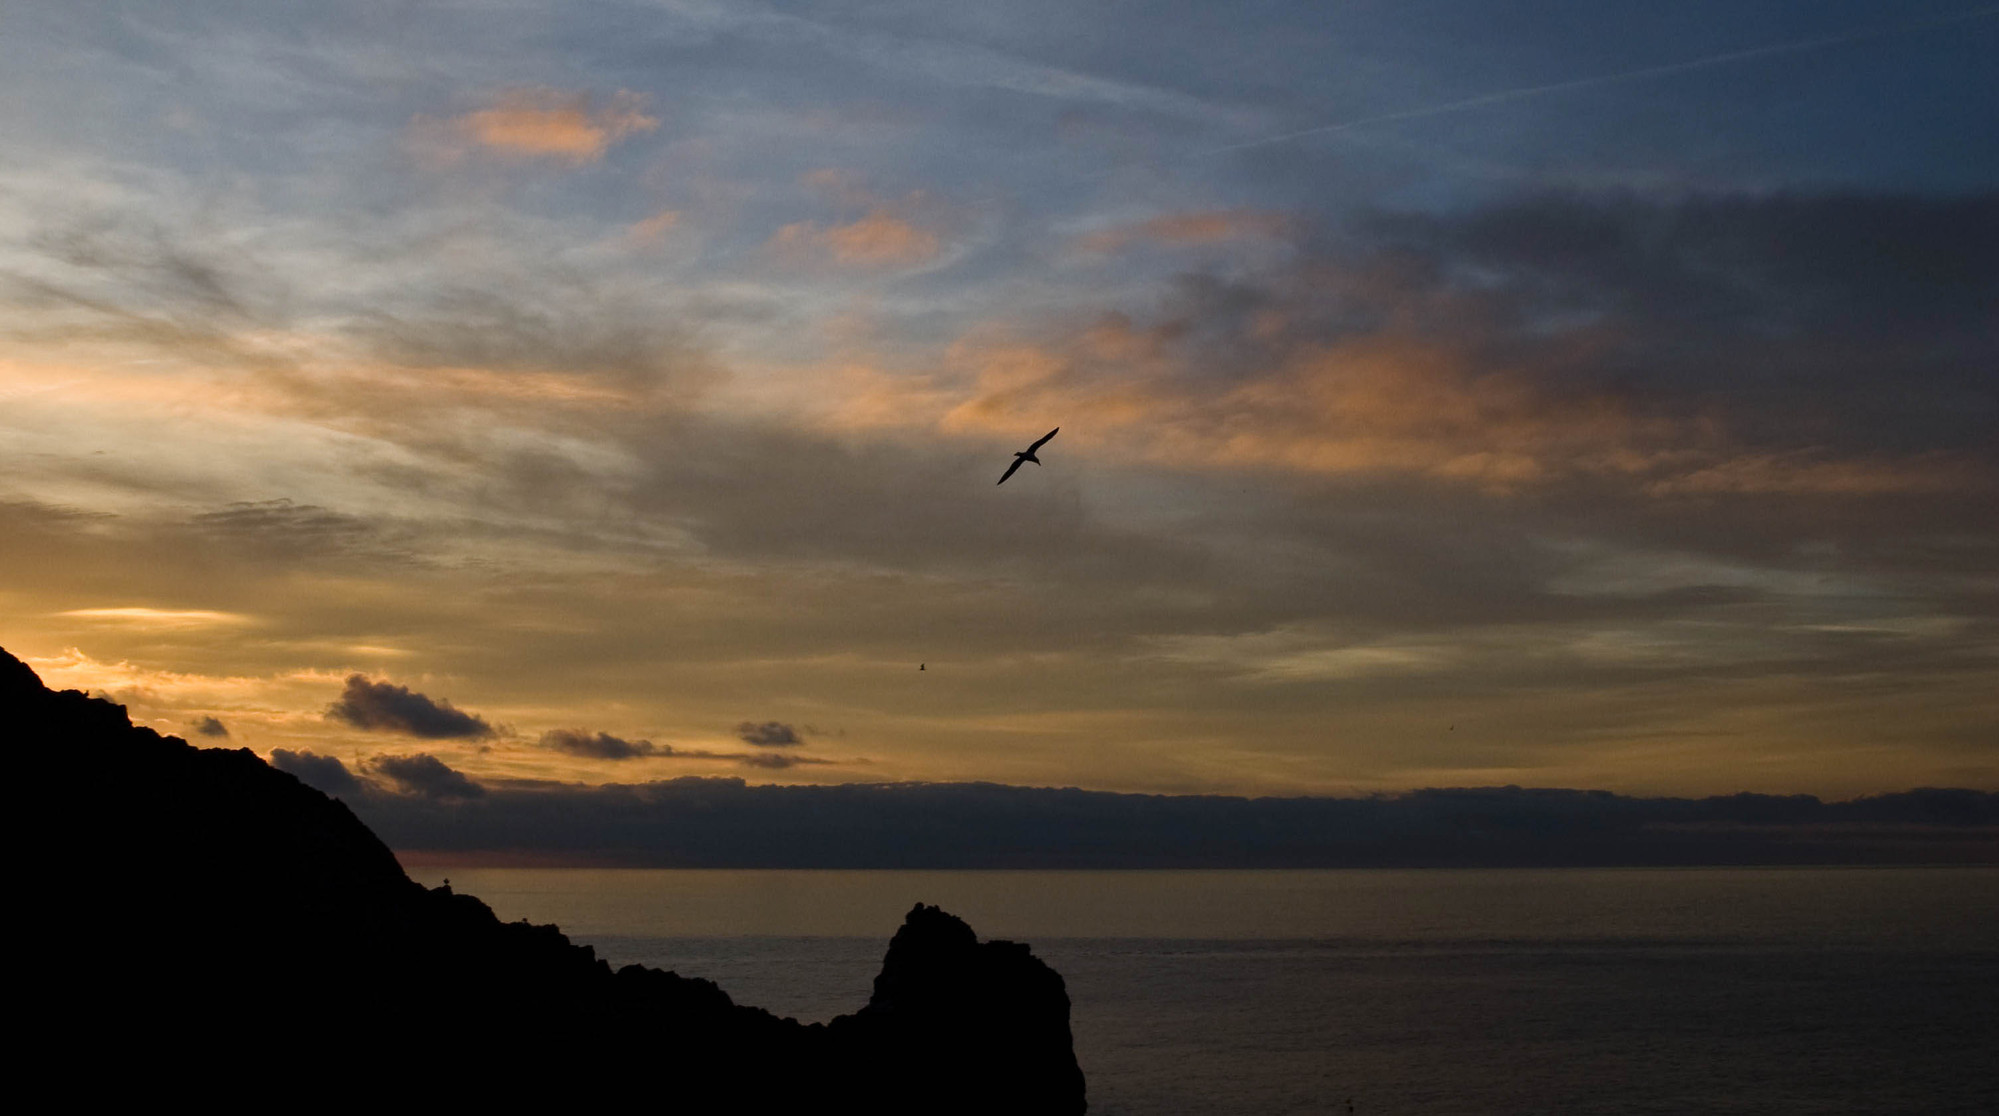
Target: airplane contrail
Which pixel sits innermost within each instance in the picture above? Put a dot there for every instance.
(1708, 62)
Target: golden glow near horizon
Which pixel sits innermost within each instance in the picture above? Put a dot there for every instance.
(661, 400)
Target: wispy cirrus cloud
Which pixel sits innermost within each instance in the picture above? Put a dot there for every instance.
(954, 62)
(158, 617)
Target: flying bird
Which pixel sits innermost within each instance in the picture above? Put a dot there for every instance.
(1028, 454)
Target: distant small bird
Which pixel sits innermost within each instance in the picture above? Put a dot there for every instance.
(1028, 454)
(919, 666)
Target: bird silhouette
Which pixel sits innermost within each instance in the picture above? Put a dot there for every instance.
(1028, 454)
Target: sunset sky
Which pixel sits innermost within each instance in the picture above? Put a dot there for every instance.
(1451, 393)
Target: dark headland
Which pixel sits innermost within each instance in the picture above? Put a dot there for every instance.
(204, 927)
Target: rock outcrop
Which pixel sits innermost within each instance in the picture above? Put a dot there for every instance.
(204, 927)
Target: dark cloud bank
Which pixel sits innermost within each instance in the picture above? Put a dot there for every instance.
(599, 745)
(385, 707)
(727, 823)
(604, 746)
(425, 775)
(770, 734)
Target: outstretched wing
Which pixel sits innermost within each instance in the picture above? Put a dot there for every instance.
(1044, 439)
(1010, 469)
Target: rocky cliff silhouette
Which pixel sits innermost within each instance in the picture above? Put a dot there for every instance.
(209, 928)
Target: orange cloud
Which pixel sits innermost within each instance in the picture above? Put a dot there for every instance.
(73, 669)
(886, 236)
(536, 123)
(1209, 227)
(1378, 405)
(1384, 404)
(658, 225)
(880, 239)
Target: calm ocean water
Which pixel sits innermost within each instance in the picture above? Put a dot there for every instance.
(1484, 993)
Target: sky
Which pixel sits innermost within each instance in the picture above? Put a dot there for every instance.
(1451, 393)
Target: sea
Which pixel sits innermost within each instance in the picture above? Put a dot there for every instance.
(1481, 993)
